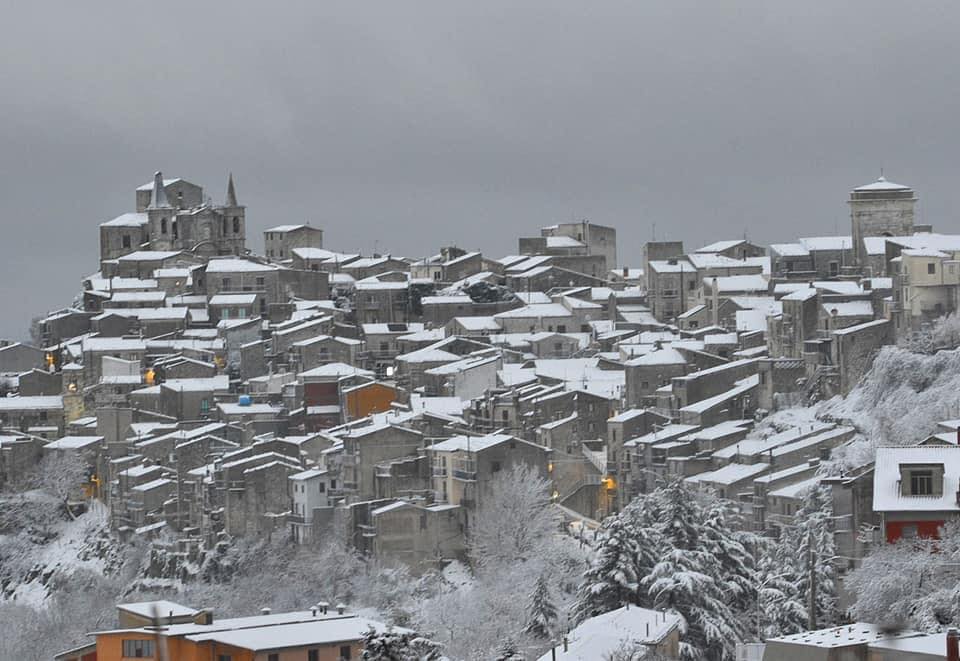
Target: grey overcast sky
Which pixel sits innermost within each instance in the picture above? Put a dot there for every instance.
(401, 126)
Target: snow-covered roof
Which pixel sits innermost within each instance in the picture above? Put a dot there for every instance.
(886, 478)
(720, 246)
(337, 370)
(235, 264)
(532, 297)
(789, 249)
(563, 242)
(471, 443)
(604, 634)
(477, 323)
(848, 308)
(797, 489)
(858, 633)
(664, 356)
(730, 474)
(672, 266)
(282, 229)
(149, 255)
(160, 608)
(32, 403)
(127, 220)
(881, 184)
(73, 442)
(318, 632)
(736, 283)
(535, 311)
(827, 243)
(859, 327)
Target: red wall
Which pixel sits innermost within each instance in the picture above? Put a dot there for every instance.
(929, 529)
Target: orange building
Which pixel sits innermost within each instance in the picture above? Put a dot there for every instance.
(368, 398)
(165, 631)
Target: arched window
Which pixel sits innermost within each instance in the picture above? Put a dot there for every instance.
(163, 225)
(174, 227)
(236, 224)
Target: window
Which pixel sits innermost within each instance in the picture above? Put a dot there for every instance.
(561, 328)
(691, 285)
(176, 232)
(261, 280)
(644, 385)
(236, 225)
(495, 467)
(322, 487)
(224, 657)
(834, 268)
(223, 225)
(225, 283)
(505, 415)
(931, 268)
(273, 657)
(138, 649)
(921, 483)
(126, 240)
(436, 275)
(163, 225)
(313, 655)
(909, 531)
(345, 653)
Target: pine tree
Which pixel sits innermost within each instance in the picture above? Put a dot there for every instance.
(810, 545)
(612, 579)
(542, 612)
(391, 645)
(735, 551)
(691, 580)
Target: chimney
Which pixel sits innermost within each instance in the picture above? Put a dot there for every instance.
(204, 616)
(953, 644)
(341, 608)
(323, 606)
(264, 611)
(313, 611)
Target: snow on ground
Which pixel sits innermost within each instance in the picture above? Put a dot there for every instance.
(69, 551)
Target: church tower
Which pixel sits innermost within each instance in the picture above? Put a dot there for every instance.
(882, 208)
(161, 216)
(233, 226)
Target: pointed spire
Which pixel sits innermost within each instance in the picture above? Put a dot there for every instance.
(231, 193)
(159, 196)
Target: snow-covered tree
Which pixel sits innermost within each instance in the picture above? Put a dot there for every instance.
(391, 645)
(542, 614)
(808, 548)
(514, 517)
(612, 580)
(914, 583)
(62, 475)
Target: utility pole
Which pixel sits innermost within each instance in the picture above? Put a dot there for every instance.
(811, 566)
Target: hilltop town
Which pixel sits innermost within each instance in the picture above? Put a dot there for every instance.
(197, 395)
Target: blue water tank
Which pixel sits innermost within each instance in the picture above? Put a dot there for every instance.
(245, 400)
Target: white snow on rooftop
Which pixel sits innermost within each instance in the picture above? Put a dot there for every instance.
(603, 635)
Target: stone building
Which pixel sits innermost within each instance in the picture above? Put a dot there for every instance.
(280, 241)
(882, 208)
(174, 215)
